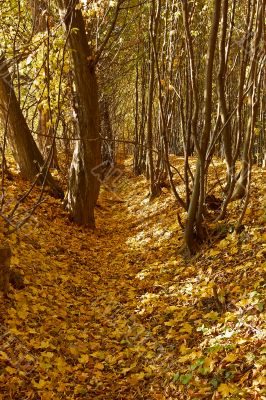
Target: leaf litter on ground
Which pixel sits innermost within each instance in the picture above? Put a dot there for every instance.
(119, 313)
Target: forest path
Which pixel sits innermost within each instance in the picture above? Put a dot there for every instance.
(117, 314)
(79, 319)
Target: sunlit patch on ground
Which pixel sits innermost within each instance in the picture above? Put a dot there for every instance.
(120, 314)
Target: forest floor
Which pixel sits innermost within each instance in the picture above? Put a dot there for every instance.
(119, 314)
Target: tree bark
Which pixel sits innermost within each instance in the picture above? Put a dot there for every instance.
(195, 211)
(108, 142)
(24, 148)
(5, 255)
(84, 185)
(227, 139)
(253, 103)
(150, 162)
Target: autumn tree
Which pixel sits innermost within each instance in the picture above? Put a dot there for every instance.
(26, 153)
(40, 11)
(83, 188)
(209, 92)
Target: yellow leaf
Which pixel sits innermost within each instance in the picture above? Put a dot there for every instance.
(22, 314)
(98, 354)
(186, 328)
(74, 351)
(99, 366)
(45, 345)
(260, 381)
(12, 312)
(61, 387)
(3, 356)
(231, 357)
(15, 260)
(184, 358)
(70, 337)
(47, 395)
(209, 363)
(48, 354)
(39, 385)
(234, 250)
(149, 369)
(15, 331)
(150, 354)
(126, 370)
(171, 322)
(84, 358)
(10, 370)
(172, 308)
(212, 315)
(213, 253)
(79, 389)
(135, 378)
(240, 341)
(94, 345)
(183, 348)
(222, 244)
(61, 364)
(224, 389)
(190, 356)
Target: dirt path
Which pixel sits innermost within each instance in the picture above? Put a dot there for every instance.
(77, 318)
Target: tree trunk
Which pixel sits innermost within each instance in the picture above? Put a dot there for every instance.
(84, 184)
(46, 139)
(153, 29)
(38, 8)
(24, 148)
(227, 139)
(5, 255)
(40, 13)
(195, 211)
(253, 103)
(108, 143)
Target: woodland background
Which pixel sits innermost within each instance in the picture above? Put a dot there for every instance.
(132, 199)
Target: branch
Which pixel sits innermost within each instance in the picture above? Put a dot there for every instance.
(107, 37)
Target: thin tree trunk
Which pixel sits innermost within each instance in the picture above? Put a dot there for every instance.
(108, 142)
(39, 11)
(5, 255)
(150, 166)
(241, 184)
(195, 211)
